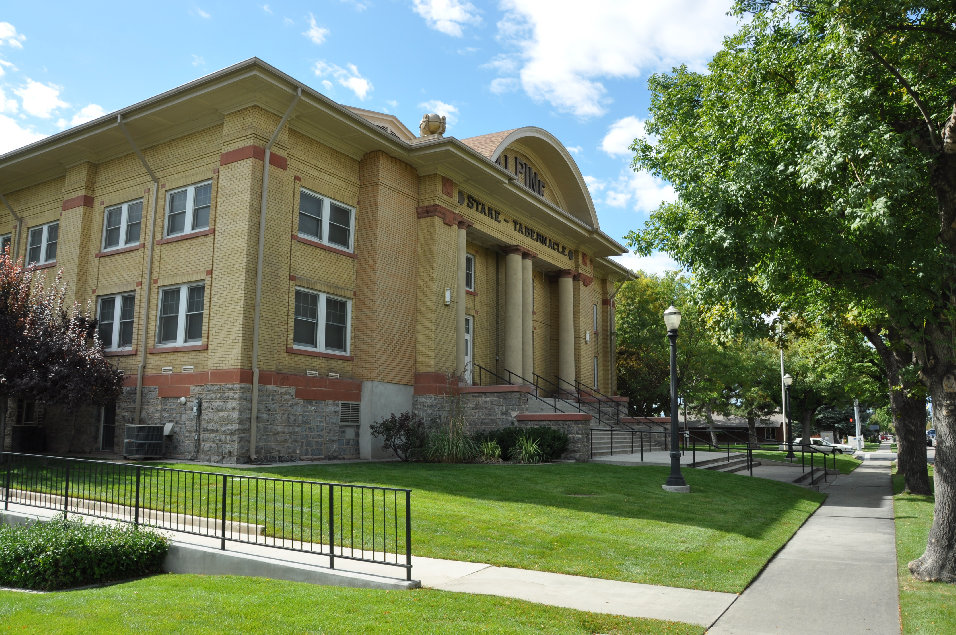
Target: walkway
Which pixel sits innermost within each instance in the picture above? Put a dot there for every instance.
(838, 572)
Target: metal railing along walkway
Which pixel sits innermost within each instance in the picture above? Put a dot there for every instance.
(353, 522)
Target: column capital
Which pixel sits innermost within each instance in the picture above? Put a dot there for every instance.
(516, 250)
(567, 273)
(527, 254)
(463, 224)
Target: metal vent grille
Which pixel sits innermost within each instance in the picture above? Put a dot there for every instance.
(349, 414)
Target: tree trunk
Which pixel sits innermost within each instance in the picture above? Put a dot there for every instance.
(909, 418)
(938, 562)
(908, 407)
(752, 428)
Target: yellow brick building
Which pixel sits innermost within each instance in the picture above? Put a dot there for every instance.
(274, 271)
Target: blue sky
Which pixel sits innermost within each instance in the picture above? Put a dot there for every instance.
(577, 69)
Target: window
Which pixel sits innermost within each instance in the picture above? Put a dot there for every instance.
(595, 373)
(121, 225)
(469, 272)
(594, 317)
(5, 244)
(26, 413)
(187, 209)
(321, 322)
(41, 243)
(324, 220)
(116, 321)
(180, 315)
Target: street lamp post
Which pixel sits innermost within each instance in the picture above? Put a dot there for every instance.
(787, 380)
(675, 482)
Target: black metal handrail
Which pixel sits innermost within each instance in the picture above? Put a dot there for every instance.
(512, 375)
(600, 398)
(353, 522)
(641, 434)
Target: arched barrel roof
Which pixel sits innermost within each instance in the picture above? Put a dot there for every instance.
(566, 178)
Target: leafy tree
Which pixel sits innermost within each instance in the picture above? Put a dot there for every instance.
(49, 353)
(816, 165)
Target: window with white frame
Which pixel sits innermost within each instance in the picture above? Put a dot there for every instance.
(324, 220)
(187, 209)
(41, 243)
(115, 321)
(321, 322)
(469, 272)
(180, 315)
(121, 224)
(595, 373)
(594, 315)
(5, 244)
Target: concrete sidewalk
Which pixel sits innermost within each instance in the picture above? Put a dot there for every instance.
(838, 572)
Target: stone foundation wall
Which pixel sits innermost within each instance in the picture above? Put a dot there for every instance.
(576, 426)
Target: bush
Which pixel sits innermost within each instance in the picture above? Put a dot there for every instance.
(526, 450)
(551, 442)
(489, 452)
(405, 435)
(66, 553)
(449, 443)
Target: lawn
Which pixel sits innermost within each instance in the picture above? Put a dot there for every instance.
(844, 462)
(593, 520)
(925, 607)
(226, 604)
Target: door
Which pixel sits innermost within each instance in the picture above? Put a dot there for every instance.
(469, 329)
(107, 426)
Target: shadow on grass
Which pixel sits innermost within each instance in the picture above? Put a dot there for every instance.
(721, 502)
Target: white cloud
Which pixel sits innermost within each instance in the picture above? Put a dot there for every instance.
(87, 113)
(501, 85)
(620, 136)
(10, 37)
(640, 191)
(327, 85)
(567, 51)
(13, 135)
(436, 106)
(594, 184)
(347, 76)
(4, 65)
(357, 4)
(202, 14)
(315, 33)
(198, 60)
(574, 149)
(447, 16)
(10, 105)
(267, 9)
(657, 264)
(40, 100)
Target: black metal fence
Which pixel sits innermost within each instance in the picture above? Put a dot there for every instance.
(351, 522)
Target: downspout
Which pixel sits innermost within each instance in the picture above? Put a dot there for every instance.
(613, 338)
(258, 307)
(15, 239)
(154, 212)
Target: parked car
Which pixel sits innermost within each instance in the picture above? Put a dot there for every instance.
(827, 446)
(931, 437)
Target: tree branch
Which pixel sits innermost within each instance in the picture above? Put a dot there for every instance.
(912, 93)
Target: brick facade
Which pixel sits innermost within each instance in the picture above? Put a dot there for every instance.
(399, 278)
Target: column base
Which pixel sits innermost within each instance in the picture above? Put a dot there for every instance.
(679, 489)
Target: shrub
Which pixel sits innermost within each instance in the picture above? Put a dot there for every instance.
(551, 442)
(449, 443)
(66, 553)
(489, 452)
(405, 435)
(526, 450)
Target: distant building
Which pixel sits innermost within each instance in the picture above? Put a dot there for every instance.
(390, 271)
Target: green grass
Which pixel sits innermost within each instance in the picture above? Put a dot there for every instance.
(925, 607)
(844, 462)
(225, 604)
(592, 520)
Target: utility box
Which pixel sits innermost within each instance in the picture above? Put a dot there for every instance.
(144, 442)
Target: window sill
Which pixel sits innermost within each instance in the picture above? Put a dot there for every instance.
(121, 250)
(178, 237)
(119, 353)
(470, 292)
(36, 267)
(178, 349)
(315, 243)
(305, 351)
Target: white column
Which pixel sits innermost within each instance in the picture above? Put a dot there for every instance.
(513, 311)
(566, 329)
(527, 321)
